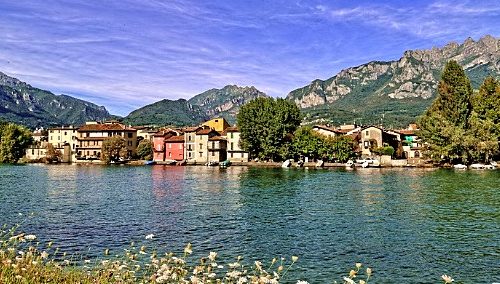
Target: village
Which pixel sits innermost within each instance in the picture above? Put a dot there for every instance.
(210, 143)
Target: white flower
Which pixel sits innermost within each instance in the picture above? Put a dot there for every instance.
(30, 237)
(149, 237)
(349, 280)
(447, 279)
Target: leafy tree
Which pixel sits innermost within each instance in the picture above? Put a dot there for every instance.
(113, 148)
(309, 143)
(52, 155)
(443, 126)
(340, 148)
(386, 150)
(145, 150)
(266, 126)
(14, 139)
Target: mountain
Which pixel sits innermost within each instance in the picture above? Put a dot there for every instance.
(33, 107)
(223, 102)
(394, 91)
(167, 112)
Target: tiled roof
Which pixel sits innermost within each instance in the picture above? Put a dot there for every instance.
(406, 132)
(232, 129)
(216, 138)
(205, 131)
(105, 127)
(175, 139)
(324, 127)
(190, 129)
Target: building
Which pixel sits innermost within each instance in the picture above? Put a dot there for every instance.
(327, 131)
(91, 136)
(234, 151)
(174, 148)
(168, 145)
(375, 137)
(217, 149)
(201, 140)
(37, 151)
(218, 124)
(189, 142)
(412, 146)
(145, 133)
(64, 140)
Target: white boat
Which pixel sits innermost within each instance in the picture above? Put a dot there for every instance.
(320, 163)
(286, 164)
(477, 166)
(365, 164)
(490, 167)
(349, 164)
(460, 167)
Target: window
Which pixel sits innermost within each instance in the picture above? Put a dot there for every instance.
(33, 151)
(201, 146)
(170, 146)
(367, 144)
(95, 153)
(130, 143)
(367, 133)
(201, 154)
(189, 154)
(180, 146)
(52, 131)
(58, 137)
(65, 133)
(232, 145)
(242, 155)
(189, 137)
(170, 154)
(231, 154)
(231, 135)
(88, 134)
(213, 154)
(213, 144)
(216, 120)
(130, 135)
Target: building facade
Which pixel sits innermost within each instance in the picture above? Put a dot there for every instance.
(201, 140)
(234, 151)
(91, 136)
(174, 148)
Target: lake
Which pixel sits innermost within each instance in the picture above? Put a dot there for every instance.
(409, 225)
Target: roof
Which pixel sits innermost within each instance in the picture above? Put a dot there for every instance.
(105, 127)
(190, 129)
(216, 138)
(205, 131)
(62, 128)
(324, 127)
(232, 129)
(175, 139)
(405, 132)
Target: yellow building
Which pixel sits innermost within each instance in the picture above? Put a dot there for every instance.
(218, 124)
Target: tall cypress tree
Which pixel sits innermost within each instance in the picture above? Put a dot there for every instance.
(444, 124)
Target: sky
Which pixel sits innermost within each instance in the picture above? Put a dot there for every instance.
(125, 54)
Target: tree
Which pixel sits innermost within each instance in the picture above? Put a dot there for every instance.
(145, 150)
(443, 126)
(306, 142)
(14, 139)
(113, 148)
(52, 155)
(266, 126)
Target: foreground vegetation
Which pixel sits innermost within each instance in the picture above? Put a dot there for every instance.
(24, 259)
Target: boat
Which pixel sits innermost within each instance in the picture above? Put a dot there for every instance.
(365, 164)
(300, 163)
(286, 164)
(349, 164)
(460, 167)
(149, 163)
(477, 166)
(493, 163)
(212, 164)
(320, 163)
(225, 164)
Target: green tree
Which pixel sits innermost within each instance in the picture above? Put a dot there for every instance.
(444, 125)
(339, 148)
(484, 132)
(145, 150)
(113, 148)
(14, 139)
(51, 154)
(266, 126)
(307, 142)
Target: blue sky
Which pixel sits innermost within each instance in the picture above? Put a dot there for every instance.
(125, 54)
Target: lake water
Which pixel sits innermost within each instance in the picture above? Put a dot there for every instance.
(409, 225)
